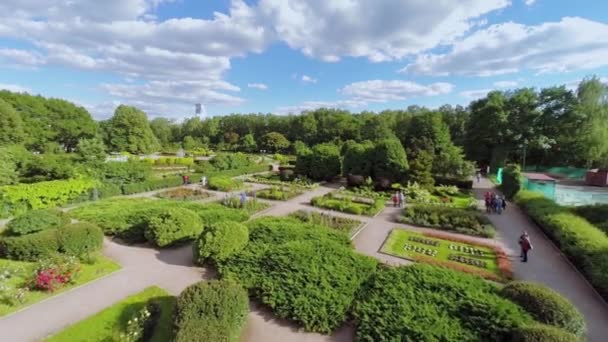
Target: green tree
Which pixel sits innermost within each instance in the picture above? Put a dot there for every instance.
(248, 143)
(129, 131)
(420, 168)
(11, 129)
(163, 131)
(191, 144)
(358, 159)
(376, 128)
(389, 160)
(70, 123)
(299, 147)
(8, 171)
(322, 162)
(91, 151)
(274, 142)
(593, 132)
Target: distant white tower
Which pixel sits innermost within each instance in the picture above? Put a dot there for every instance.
(200, 109)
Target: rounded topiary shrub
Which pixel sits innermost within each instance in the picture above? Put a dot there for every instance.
(211, 311)
(30, 247)
(80, 238)
(37, 220)
(546, 306)
(173, 225)
(542, 333)
(220, 240)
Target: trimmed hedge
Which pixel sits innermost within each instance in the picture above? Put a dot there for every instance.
(449, 181)
(220, 240)
(223, 183)
(80, 238)
(151, 185)
(427, 303)
(463, 221)
(583, 243)
(210, 312)
(173, 225)
(542, 333)
(595, 213)
(303, 272)
(37, 220)
(546, 306)
(75, 239)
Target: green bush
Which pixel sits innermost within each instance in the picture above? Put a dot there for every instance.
(79, 238)
(322, 163)
(220, 240)
(224, 183)
(546, 306)
(542, 333)
(173, 225)
(595, 213)
(511, 180)
(30, 247)
(210, 312)
(426, 303)
(460, 183)
(584, 244)
(303, 272)
(230, 161)
(341, 224)
(446, 218)
(151, 185)
(349, 204)
(37, 220)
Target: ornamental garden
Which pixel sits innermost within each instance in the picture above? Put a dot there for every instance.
(282, 223)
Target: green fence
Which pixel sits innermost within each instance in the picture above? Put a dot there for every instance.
(548, 189)
(563, 171)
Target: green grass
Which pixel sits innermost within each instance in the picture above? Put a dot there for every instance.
(398, 238)
(101, 267)
(278, 193)
(108, 323)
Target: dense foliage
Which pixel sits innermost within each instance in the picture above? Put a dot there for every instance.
(79, 239)
(170, 226)
(341, 224)
(303, 272)
(349, 204)
(546, 306)
(211, 311)
(584, 244)
(596, 214)
(462, 221)
(219, 241)
(511, 180)
(426, 303)
(224, 183)
(542, 333)
(37, 220)
(129, 130)
(321, 163)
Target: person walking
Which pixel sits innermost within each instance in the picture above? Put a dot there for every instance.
(401, 199)
(204, 181)
(526, 246)
(503, 203)
(243, 199)
(478, 174)
(184, 179)
(498, 204)
(395, 199)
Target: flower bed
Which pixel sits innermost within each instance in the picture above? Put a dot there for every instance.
(251, 206)
(341, 224)
(185, 194)
(24, 283)
(275, 179)
(224, 183)
(277, 193)
(123, 320)
(452, 219)
(464, 255)
(349, 204)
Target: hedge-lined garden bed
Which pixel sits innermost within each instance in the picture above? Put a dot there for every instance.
(184, 194)
(277, 193)
(583, 243)
(462, 221)
(350, 204)
(127, 320)
(341, 224)
(464, 255)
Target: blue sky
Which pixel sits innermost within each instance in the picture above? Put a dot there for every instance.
(285, 56)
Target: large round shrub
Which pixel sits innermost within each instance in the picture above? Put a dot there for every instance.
(30, 247)
(173, 225)
(546, 306)
(79, 238)
(37, 220)
(542, 333)
(220, 240)
(210, 312)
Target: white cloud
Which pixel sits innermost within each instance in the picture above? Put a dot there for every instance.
(570, 44)
(15, 88)
(19, 57)
(393, 90)
(308, 79)
(260, 86)
(506, 84)
(380, 30)
(529, 2)
(312, 105)
(475, 94)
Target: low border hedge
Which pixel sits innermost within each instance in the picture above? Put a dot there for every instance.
(542, 333)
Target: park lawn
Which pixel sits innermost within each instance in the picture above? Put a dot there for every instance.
(110, 322)
(398, 238)
(102, 266)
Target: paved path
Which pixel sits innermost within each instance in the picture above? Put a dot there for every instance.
(547, 265)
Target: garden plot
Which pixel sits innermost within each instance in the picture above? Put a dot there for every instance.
(346, 202)
(278, 193)
(468, 256)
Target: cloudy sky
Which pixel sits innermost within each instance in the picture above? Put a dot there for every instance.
(285, 56)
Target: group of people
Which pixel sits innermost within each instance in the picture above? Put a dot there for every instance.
(398, 199)
(495, 203)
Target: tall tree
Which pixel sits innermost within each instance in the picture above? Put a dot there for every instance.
(162, 129)
(274, 142)
(593, 108)
(129, 130)
(11, 129)
(70, 123)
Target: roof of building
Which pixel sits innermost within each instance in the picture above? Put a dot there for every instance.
(539, 177)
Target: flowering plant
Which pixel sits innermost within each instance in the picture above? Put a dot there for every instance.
(141, 324)
(51, 274)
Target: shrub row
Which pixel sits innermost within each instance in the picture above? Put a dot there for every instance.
(462, 221)
(172, 225)
(37, 220)
(596, 214)
(74, 239)
(341, 224)
(584, 244)
(211, 311)
(219, 241)
(150, 185)
(303, 272)
(224, 183)
(449, 181)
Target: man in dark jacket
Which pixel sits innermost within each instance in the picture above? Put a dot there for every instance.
(526, 246)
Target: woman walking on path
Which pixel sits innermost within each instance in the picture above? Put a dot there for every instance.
(401, 199)
(526, 246)
(395, 199)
